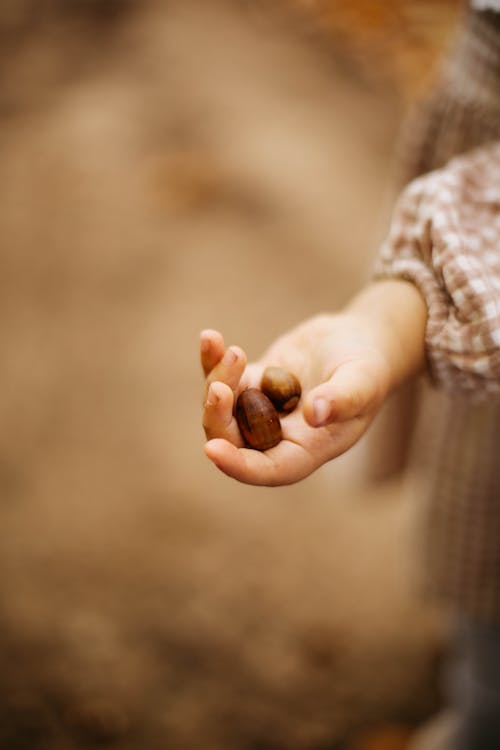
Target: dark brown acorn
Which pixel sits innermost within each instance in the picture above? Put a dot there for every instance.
(257, 419)
(282, 387)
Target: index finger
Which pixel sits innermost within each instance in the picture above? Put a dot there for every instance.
(211, 349)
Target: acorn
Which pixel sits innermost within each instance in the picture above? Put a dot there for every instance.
(282, 388)
(257, 419)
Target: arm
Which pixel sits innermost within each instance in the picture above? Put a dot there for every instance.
(347, 364)
(437, 302)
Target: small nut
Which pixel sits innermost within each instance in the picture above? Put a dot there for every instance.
(257, 419)
(282, 387)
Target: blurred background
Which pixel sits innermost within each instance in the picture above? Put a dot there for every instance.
(167, 166)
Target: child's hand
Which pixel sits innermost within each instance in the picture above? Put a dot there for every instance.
(344, 380)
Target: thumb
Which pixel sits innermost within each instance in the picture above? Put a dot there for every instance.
(354, 389)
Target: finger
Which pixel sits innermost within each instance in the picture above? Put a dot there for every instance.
(218, 420)
(352, 391)
(230, 368)
(211, 349)
(286, 463)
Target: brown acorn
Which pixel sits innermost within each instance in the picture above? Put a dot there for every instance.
(257, 419)
(282, 388)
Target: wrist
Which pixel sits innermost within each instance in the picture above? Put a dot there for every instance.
(394, 315)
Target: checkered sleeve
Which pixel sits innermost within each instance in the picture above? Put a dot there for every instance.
(445, 238)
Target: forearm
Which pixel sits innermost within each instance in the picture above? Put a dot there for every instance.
(395, 315)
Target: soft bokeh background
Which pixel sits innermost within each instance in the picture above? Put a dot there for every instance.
(165, 167)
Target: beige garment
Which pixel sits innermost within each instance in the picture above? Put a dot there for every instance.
(454, 453)
(445, 238)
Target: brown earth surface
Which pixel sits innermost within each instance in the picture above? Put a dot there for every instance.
(166, 167)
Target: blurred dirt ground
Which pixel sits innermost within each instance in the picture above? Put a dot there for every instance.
(164, 167)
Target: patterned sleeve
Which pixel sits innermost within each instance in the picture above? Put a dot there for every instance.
(445, 238)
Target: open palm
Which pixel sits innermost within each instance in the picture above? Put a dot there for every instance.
(344, 381)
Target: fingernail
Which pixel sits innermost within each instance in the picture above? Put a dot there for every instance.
(212, 397)
(321, 410)
(229, 357)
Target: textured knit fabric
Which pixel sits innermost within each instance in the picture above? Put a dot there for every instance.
(462, 110)
(445, 239)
